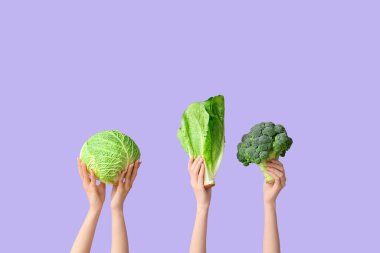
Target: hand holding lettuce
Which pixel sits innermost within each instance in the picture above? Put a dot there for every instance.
(202, 134)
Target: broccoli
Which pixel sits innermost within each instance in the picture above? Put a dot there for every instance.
(266, 141)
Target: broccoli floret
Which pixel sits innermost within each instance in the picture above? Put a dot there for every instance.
(265, 141)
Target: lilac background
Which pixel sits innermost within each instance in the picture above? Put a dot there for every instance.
(71, 68)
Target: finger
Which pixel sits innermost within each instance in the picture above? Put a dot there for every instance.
(276, 162)
(195, 161)
(122, 180)
(102, 186)
(129, 171)
(135, 167)
(93, 178)
(193, 173)
(190, 163)
(283, 180)
(280, 174)
(276, 179)
(276, 166)
(86, 179)
(122, 176)
(96, 178)
(114, 187)
(197, 167)
(201, 174)
(80, 168)
(135, 171)
(191, 168)
(196, 164)
(275, 171)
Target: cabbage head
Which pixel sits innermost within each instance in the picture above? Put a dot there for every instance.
(108, 153)
(202, 134)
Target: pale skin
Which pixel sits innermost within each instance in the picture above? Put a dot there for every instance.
(271, 242)
(96, 195)
(196, 168)
(120, 191)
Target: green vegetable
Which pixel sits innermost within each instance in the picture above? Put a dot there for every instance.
(266, 141)
(108, 153)
(202, 134)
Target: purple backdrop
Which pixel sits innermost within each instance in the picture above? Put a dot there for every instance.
(71, 68)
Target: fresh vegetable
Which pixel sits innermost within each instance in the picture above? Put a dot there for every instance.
(202, 134)
(108, 153)
(265, 141)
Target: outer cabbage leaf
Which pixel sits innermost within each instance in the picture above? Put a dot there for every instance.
(108, 153)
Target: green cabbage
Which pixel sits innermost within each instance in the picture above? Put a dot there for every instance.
(202, 134)
(108, 153)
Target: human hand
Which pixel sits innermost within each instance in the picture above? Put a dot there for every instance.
(196, 170)
(123, 186)
(271, 190)
(95, 193)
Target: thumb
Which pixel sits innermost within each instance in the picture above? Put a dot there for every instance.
(102, 186)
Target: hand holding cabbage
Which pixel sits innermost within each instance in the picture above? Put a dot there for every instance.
(108, 153)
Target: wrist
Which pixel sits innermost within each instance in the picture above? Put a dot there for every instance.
(270, 204)
(117, 214)
(117, 209)
(95, 210)
(96, 206)
(202, 208)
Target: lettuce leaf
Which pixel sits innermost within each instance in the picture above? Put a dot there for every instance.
(202, 134)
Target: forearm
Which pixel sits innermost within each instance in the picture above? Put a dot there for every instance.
(119, 233)
(86, 233)
(198, 240)
(271, 243)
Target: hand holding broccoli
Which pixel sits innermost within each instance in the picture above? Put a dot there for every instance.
(196, 170)
(264, 142)
(271, 189)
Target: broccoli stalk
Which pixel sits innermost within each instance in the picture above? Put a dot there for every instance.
(265, 141)
(263, 167)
